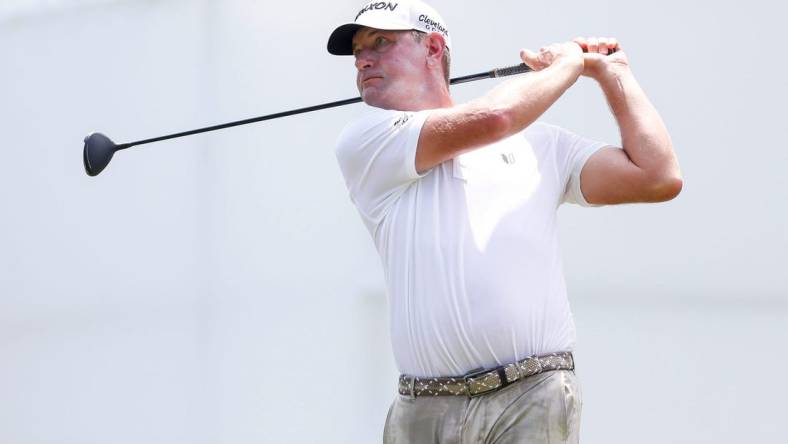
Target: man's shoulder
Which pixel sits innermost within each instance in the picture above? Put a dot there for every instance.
(540, 129)
(373, 123)
(540, 135)
(371, 117)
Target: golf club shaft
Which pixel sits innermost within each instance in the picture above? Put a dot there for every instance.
(501, 72)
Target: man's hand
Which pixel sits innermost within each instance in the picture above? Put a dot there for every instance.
(553, 54)
(603, 58)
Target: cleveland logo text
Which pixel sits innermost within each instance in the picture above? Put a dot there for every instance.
(432, 25)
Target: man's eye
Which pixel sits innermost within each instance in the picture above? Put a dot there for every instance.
(380, 41)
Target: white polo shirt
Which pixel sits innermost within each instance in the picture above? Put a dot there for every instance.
(469, 249)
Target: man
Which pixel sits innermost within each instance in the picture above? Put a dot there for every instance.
(461, 201)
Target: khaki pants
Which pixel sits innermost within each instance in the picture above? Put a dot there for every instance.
(541, 409)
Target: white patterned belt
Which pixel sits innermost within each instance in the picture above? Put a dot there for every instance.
(479, 382)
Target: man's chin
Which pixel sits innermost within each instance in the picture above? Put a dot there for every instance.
(372, 98)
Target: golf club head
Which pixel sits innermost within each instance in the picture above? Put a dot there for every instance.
(97, 153)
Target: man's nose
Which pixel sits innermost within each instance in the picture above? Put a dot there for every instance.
(364, 60)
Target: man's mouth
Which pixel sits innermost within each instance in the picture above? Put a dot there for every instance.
(370, 78)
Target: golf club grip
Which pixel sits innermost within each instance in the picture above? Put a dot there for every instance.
(500, 72)
(521, 68)
(510, 71)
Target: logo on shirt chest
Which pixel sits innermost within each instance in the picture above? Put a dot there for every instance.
(508, 158)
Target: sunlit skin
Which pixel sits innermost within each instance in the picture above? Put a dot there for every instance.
(397, 72)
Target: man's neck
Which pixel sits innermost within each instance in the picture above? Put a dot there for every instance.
(436, 98)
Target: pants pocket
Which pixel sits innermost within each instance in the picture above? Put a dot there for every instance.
(573, 405)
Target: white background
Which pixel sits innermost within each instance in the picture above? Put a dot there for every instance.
(221, 288)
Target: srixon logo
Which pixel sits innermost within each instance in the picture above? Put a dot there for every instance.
(377, 5)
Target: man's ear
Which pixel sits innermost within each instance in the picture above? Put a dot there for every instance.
(436, 45)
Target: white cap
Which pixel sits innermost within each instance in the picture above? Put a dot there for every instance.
(401, 15)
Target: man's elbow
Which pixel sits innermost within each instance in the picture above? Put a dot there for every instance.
(666, 188)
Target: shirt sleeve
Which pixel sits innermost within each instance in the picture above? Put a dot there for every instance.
(377, 156)
(572, 152)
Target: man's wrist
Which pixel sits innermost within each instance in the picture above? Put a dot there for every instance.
(612, 76)
(572, 66)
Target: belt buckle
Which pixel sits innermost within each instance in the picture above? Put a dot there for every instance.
(473, 374)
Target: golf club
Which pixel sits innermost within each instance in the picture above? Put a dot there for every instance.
(99, 149)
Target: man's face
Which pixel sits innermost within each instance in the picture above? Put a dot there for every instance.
(391, 67)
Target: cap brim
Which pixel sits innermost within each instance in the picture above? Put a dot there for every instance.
(341, 40)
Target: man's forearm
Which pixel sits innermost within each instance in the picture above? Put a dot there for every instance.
(504, 111)
(523, 100)
(644, 136)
